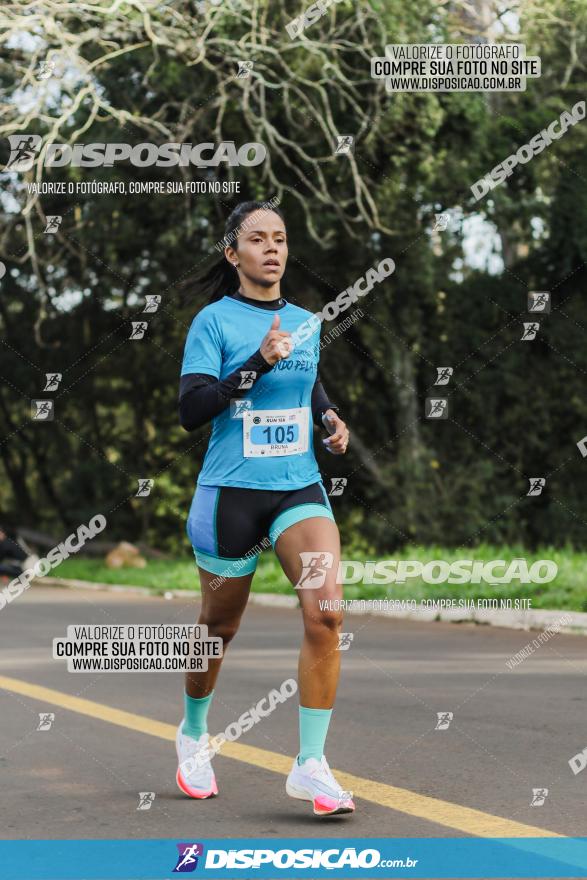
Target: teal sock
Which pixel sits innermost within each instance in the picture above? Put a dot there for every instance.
(313, 729)
(196, 713)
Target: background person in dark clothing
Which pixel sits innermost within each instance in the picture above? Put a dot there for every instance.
(12, 555)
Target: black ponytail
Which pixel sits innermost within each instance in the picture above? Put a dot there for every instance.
(221, 279)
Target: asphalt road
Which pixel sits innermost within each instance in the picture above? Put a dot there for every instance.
(512, 730)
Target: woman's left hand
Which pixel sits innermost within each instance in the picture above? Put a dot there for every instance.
(339, 433)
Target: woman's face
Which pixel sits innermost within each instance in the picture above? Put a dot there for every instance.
(262, 248)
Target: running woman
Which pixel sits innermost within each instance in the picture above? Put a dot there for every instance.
(248, 368)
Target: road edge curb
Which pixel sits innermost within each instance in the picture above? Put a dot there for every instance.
(510, 619)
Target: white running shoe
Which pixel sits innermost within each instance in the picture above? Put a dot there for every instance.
(194, 775)
(313, 781)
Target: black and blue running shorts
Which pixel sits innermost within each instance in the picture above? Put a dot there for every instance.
(229, 527)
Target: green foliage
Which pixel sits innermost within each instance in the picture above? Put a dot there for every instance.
(517, 409)
(566, 592)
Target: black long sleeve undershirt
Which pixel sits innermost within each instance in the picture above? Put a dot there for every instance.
(202, 397)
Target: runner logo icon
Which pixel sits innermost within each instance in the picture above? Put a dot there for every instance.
(23, 151)
(314, 565)
(187, 859)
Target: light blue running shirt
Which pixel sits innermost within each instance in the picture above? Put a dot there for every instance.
(268, 442)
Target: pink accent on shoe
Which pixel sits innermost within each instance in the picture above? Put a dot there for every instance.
(325, 806)
(193, 792)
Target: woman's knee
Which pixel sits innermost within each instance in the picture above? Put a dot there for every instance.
(224, 629)
(324, 624)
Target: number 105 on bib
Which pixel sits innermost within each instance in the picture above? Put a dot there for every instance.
(269, 432)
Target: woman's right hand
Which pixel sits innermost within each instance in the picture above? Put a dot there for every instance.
(276, 344)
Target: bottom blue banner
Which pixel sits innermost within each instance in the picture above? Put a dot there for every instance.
(373, 857)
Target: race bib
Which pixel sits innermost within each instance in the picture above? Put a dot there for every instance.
(269, 432)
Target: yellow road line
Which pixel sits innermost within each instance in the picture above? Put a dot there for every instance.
(402, 800)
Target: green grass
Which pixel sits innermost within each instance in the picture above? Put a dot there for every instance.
(568, 591)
